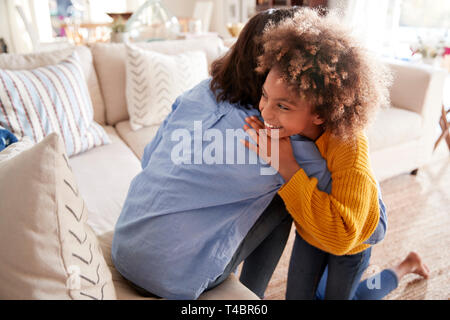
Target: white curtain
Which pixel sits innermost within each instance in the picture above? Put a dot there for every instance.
(375, 22)
(12, 28)
(19, 37)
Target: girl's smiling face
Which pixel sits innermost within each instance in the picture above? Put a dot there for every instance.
(283, 109)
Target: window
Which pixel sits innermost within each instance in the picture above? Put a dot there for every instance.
(424, 21)
(424, 14)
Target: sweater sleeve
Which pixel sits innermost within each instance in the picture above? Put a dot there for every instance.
(340, 220)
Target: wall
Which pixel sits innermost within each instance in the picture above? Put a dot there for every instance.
(185, 8)
(180, 8)
(218, 19)
(220, 16)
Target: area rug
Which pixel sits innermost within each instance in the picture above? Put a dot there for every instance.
(419, 220)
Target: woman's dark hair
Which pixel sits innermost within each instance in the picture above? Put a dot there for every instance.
(233, 76)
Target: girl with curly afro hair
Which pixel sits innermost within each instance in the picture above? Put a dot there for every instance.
(322, 84)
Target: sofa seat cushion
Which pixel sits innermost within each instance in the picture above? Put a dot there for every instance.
(136, 140)
(230, 289)
(104, 175)
(394, 126)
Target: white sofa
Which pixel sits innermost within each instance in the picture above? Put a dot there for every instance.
(403, 136)
(400, 138)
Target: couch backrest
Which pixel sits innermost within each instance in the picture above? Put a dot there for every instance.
(109, 61)
(36, 60)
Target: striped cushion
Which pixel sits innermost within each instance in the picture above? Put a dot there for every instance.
(48, 99)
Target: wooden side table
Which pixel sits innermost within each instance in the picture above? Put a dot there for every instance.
(445, 126)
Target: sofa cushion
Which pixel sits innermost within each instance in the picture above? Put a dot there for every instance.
(109, 61)
(48, 250)
(230, 289)
(41, 59)
(104, 175)
(136, 140)
(394, 126)
(53, 98)
(154, 80)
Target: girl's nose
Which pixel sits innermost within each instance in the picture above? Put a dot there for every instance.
(267, 113)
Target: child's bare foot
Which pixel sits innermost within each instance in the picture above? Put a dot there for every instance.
(412, 264)
(418, 266)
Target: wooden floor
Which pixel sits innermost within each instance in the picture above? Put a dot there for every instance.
(419, 219)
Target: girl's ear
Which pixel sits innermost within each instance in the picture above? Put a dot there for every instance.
(317, 120)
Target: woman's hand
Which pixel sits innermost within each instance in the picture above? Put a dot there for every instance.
(283, 159)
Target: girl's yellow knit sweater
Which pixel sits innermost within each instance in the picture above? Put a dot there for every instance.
(341, 221)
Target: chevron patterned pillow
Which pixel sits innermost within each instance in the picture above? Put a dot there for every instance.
(48, 249)
(154, 80)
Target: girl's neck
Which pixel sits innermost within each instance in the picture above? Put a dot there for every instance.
(313, 133)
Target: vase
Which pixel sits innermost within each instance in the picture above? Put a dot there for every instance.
(152, 21)
(119, 37)
(429, 61)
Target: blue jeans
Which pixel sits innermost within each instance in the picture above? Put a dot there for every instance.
(261, 249)
(373, 288)
(308, 264)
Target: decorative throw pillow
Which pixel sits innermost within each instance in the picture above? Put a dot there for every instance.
(154, 80)
(48, 99)
(26, 61)
(48, 251)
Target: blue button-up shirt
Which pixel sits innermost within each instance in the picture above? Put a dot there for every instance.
(183, 217)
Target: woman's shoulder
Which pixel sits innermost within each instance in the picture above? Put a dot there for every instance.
(199, 91)
(202, 98)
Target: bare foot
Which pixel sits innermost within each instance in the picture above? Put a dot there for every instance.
(418, 266)
(412, 264)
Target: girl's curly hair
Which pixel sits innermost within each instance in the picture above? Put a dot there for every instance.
(325, 65)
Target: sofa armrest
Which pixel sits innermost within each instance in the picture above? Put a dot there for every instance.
(417, 88)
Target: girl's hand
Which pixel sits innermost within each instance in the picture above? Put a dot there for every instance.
(283, 160)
